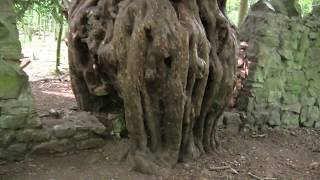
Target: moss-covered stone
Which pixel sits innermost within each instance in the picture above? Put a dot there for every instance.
(289, 119)
(11, 81)
(313, 116)
(32, 135)
(275, 118)
(10, 47)
(289, 98)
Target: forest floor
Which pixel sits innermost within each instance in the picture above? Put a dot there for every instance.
(277, 154)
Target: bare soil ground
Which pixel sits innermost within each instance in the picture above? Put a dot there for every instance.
(279, 154)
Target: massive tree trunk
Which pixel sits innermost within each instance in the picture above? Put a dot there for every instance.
(169, 64)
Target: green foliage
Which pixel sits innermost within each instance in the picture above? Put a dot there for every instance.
(234, 5)
(41, 18)
(305, 6)
(233, 9)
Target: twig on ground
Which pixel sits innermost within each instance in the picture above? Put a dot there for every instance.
(260, 178)
(48, 79)
(53, 113)
(25, 64)
(214, 168)
(44, 115)
(258, 135)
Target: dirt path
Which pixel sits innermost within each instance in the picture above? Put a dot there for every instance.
(279, 154)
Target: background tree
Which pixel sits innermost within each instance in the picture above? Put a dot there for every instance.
(45, 10)
(242, 11)
(169, 64)
(316, 7)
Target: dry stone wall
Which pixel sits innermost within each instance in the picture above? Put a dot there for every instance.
(21, 130)
(283, 86)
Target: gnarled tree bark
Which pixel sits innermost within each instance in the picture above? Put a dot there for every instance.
(169, 64)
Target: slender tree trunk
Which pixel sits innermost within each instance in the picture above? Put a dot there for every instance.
(30, 27)
(39, 26)
(58, 52)
(169, 64)
(242, 11)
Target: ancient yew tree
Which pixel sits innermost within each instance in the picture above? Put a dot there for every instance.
(169, 64)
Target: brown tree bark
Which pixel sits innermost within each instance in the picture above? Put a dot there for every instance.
(169, 64)
(222, 5)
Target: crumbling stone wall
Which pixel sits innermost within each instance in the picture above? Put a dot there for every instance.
(21, 131)
(283, 87)
(17, 110)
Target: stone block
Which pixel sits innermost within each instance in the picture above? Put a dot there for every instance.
(307, 100)
(318, 102)
(313, 115)
(257, 76)
(309, 115)
(299, 58)
(292, 66)
(296, 27)
(313, 35)
(19, 113)
(63, 130)
(231, 117)
(304, 42)
(291, 44)
(274, 97)
(83, 121)
(11, 81)
(90, 143)
(317, 125)
(81, 135)
(7, 137)
(286, 54)
(275, 118)
(19, 148)
(250, 105)
(315, 53)
(55, 146)
(304, 114)
(10, 47)
(261, 96)
(289, 98)
(315, 84)
(252, 50)
(3, 154)
(274, 84)
(274, 60)
(293, 88)
(270, 41)
(13, 121)
(295, 108)
(297, 77)
(289, 119)
(33, 135)
(261, 117)
(312, 73)
(33, 121)
(314, 92)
